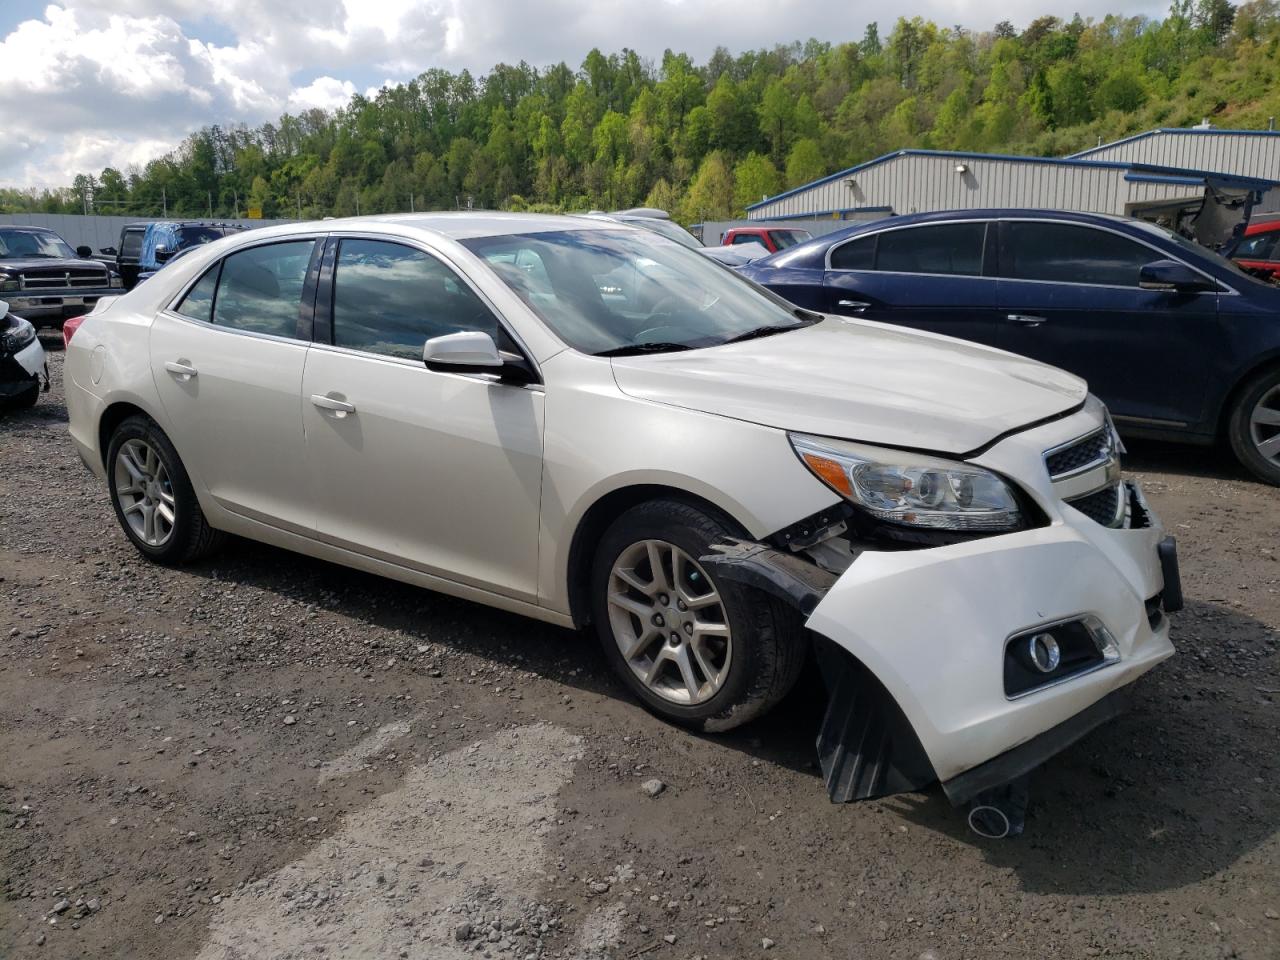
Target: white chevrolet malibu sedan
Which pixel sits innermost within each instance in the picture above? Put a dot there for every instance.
(590, 424)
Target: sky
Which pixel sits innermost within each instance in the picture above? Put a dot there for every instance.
(92, 83)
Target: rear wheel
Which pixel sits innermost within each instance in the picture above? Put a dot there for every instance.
(153, 497)
(28, 397)
(1254, 426)
(700, 652)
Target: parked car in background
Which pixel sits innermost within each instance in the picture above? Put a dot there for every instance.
(22, 361)
(582, 422)
(1177, 340)
(773, 239)
(146, 247)
(45, 281)
(1258, 252)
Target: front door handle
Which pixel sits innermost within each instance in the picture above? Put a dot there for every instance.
(339, 407)
(1025, 319)
(180, 369)
(857, 306)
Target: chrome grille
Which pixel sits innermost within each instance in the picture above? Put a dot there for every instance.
(1080, 455)
(54, 278)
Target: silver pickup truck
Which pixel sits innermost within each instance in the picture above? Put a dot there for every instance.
(45, 281)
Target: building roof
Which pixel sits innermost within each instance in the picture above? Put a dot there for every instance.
(1166, 174)
(1161, 131)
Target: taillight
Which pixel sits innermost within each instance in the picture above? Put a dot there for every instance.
(69, 328)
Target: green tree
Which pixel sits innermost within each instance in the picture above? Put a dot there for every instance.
(755, 177)
(710, 194)
(805, 164)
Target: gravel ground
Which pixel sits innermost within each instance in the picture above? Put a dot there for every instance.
(267, 756)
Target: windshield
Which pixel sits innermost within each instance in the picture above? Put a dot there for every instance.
(789, 238)
(665, 228)
(614, 290)
(15, 244)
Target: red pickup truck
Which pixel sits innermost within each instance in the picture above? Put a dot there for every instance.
(772, 239)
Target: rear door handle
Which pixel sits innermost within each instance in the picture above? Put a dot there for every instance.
(1025, 319)
(180, 369)
(340, 407)
(857, 306)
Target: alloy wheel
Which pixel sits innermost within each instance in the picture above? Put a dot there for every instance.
(144, 492)
(669, 622)
(1264, 425)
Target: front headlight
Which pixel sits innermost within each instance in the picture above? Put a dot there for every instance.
(8, 283)
(116, 281)
(912, 489)
(17, 336)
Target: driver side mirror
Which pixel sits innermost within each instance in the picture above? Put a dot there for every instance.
(108, 251)
(163, 254)
(1172, 275)
(84, 252)
(473, 351)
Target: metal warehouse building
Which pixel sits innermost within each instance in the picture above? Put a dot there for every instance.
(1245, 153)
(912, 181)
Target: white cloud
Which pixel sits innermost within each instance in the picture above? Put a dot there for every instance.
(87, 85)
(326, 93)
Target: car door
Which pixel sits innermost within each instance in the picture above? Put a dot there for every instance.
(227, 361)
(1069, 296)
(439, 472)
(930, 277)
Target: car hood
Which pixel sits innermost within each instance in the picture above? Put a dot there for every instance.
(859, 380)
(16, 264)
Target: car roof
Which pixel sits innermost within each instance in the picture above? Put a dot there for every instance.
(455, 225)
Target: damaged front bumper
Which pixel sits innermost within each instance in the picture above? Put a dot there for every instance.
(19, 370)
(925, 652)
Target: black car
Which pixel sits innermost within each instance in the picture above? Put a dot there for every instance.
(45, 281)
(1179, 342)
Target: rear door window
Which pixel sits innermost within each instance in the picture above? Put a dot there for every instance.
(131, 244)
(198, 303)
(260, 289)
(857, 254)
(943, 248)
(746, 238)
(1072, 253)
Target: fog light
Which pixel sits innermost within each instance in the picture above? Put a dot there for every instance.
(1043, 650)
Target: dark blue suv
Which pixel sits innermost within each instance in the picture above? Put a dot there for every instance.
(1179, 342)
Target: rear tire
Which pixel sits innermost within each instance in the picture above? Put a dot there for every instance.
(28, 399)
(1254, 426)
(153, 497)
(702, 652)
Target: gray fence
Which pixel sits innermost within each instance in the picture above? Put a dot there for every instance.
(97, 232)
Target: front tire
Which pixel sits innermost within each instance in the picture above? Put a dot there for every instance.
(153, 497)
(1254, 426)
(702, 652)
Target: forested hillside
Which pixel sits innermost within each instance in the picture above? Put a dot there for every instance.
(704, 140)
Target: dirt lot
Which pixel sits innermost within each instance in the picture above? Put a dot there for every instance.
(269, 757)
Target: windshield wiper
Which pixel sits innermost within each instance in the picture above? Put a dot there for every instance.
(630, 349)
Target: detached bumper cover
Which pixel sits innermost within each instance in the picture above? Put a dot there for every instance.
(932, 625)
(19, 370)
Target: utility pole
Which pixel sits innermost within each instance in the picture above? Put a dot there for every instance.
(298, 197)
(164, 204)
(357, 203)
(411, 201)
(236, 194)
(210, 204)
